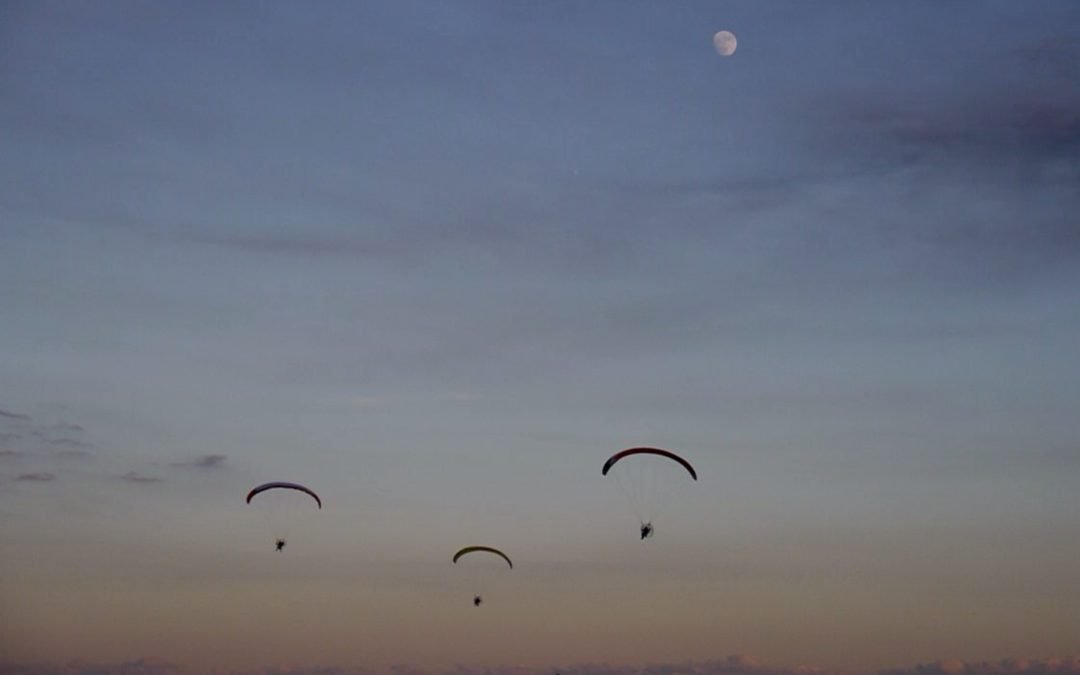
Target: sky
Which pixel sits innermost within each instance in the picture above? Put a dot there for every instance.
(438, 261)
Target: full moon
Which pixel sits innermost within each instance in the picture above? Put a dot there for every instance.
(725, 43)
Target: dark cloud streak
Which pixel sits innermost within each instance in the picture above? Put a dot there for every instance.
(39, 477)
(68, 443)
(6, 414)
(207, 462)
(136, 477)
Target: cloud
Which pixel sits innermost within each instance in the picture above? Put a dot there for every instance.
(1053, 56)
(1013, 133)
(731, 665)
(1022, 120)
(1065, 666)
(65, 448)
(136, 667)
(973, 184)
(386, 400)
(512, 220)
(212, 461)
(71, 453)
(69, 448)
(67, 454)
(744, 192)
(744, 665)
(40, 477)
(64, 426)
(68, 442)
(296, 244)
(136, 477)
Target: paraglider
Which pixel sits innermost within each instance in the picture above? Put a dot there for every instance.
(481, 573)
(645, 477)
(279, 509)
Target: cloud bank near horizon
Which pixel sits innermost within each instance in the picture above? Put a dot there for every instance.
(731, 665)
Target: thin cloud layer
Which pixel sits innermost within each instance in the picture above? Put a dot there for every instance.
(136, 667)
(71, 453)
(1010, 130)
(62, 440)
(1060, 666)
(37, 477)
(1027, 115)
(136, 477)
(732, 665)
(974, 179)
(64, 426)
(69, 442)
(212, 461)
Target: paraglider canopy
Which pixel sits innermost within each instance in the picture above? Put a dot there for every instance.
(488, 549)
(648, 451)
(283, 485)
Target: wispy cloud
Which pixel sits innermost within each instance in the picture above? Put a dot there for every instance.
(213, 461)
(39, 477)
(68, 443)
(1025, 116)
(136, 477)
(1009, 133)
(385, 400)
(71, 453)
(4, 452)
(64, 426)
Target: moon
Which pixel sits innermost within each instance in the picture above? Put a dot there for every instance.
(725, 43)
